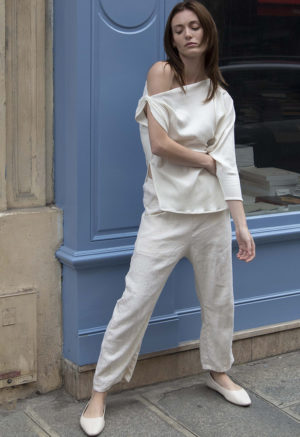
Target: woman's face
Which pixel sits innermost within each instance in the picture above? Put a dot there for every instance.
(187, 34)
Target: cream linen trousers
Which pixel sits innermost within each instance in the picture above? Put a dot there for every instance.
(163, 239)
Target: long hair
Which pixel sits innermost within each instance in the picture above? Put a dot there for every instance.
(210, 38)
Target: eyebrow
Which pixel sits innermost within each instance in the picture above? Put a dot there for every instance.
(191, 22)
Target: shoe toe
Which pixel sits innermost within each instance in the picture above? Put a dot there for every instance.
(92, 426)
(237, 397)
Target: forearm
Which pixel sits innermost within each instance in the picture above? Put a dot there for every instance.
(238, 214)
(244, 238)
(181, 155)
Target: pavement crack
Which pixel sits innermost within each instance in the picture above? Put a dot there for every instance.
(281, 406)
(46, 429)
(167, 418)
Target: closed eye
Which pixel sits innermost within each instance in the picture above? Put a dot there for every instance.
(193, 28)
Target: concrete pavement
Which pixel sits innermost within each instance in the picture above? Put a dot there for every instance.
(184, 407)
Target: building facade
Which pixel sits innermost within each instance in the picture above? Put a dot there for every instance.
(103, 50)
(30, 224)
(92, 63)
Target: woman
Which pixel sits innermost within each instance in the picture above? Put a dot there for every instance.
(187, 131)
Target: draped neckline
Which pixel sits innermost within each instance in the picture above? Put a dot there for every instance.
(174, 90)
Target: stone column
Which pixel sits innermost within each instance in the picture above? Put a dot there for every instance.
(30, 224)
(2, 109)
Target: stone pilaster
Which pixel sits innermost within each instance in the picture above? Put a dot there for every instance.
(30, 227)
(25, 97)
(2, 109)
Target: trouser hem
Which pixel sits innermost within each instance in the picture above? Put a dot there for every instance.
(102, 389)
(217, 368)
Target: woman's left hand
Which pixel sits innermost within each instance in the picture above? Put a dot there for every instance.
(246, 245)
(211, 165)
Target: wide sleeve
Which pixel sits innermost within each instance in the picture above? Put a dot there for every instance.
(157, 107)
(223, 148)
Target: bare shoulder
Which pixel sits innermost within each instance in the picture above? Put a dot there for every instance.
(159, 78)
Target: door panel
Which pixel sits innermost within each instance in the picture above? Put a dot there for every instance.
(126, 40)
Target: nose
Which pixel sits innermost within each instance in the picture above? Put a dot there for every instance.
(187, 32)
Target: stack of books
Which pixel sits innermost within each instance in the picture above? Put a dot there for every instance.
(263, 208)
(296, 191)
(244, 156)
(268, 181)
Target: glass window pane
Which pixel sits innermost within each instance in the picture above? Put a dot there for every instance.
(260, 60)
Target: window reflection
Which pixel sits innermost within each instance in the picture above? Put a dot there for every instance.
(260, 60)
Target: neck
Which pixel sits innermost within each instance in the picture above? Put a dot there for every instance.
(194, 70)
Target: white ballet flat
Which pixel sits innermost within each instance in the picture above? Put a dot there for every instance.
(237, 397)
(94, 425)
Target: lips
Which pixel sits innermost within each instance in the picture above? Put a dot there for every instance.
(190, 44)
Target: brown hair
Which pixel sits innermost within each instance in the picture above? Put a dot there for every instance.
(210, 37)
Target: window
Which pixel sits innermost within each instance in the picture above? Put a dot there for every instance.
(260, 60)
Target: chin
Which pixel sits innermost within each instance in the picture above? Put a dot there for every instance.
(194, 54)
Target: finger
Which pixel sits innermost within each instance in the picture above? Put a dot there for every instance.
(240, 251)
(253, 247)
(252, 250)
(251, 254)
(246, 253)
(242, 254)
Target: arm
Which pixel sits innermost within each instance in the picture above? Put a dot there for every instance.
(223, 151)
(159, 80)
(244, 238)
(223, 148)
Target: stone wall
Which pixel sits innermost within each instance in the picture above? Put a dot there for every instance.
(30, 224)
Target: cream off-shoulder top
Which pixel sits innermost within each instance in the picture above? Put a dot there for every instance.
(204, 127)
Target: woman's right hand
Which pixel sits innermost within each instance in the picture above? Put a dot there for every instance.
(246, 244)
(211, 166)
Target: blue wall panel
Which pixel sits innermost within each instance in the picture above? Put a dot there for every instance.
(70, 310)
(89, 300)
(121, 55)
(102, 51)
(269, 266)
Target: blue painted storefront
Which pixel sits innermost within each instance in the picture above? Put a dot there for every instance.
(102, 51)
